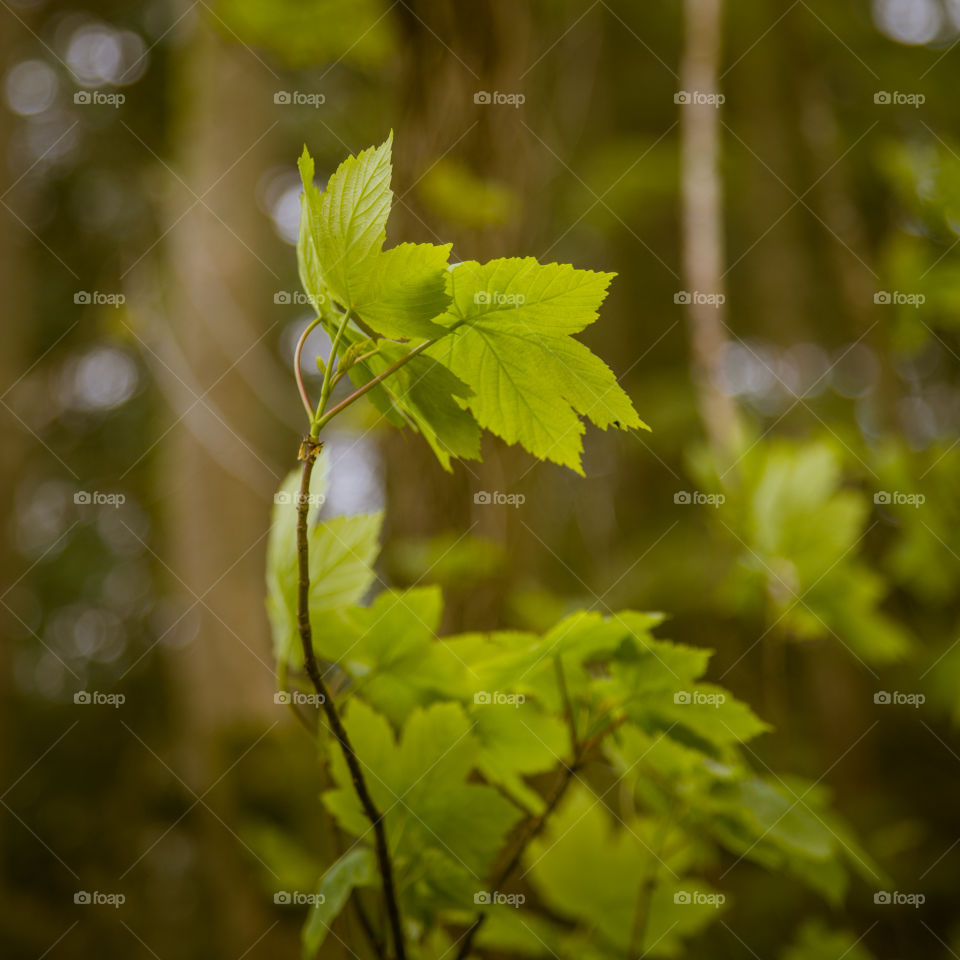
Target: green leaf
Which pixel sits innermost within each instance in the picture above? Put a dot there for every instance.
(510, 323)
(404, 291)
(342, 552)
(428, 397)
(423, 791)
(347, 222)
(356, 868)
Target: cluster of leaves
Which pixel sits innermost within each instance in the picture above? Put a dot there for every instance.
(451, 730)
(501, 353)
(574, 788)
(799, 535)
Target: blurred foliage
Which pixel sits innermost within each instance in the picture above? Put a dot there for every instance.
(826, 379)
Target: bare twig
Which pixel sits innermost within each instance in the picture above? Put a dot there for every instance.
(309, 451)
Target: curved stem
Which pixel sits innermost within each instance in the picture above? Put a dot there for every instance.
(301, 386)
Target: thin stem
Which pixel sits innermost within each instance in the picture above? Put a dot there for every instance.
(315, 424)
(309, 452)
(301, 386)
(567, 707)
(322, 421)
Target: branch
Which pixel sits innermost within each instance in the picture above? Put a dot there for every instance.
(530, 831)
(309, 451)
(369, 385)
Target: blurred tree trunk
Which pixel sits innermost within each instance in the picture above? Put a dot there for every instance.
(217, 480)
(703, 225)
